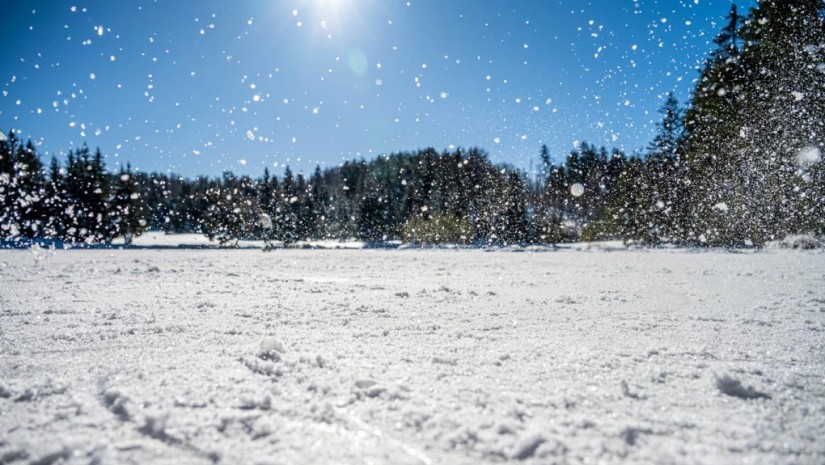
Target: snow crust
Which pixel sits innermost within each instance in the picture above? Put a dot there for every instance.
(412, 356)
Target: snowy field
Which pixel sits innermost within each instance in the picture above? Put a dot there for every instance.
(411, 357)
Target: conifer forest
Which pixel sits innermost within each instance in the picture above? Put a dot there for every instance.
(738, 165)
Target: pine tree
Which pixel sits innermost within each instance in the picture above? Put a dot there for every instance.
(230, 214)
(9, 224)
(287, 213)
(267, 205)
(514, 215)
(668, 138)
(320, 199)
(546, 164)
(631, 209)
(727, 41)
(22, 189)
(664, 178)
(55, 201)
(87, 190)
(756, 108)
(785, 55)
(127, 211)
(372, 218)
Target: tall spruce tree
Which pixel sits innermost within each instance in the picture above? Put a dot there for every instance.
(320, 199)
(757, 107)
(785, 58)
(665, 178)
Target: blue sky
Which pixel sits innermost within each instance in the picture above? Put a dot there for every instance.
(204, 86)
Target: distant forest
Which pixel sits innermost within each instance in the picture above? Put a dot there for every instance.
(739, 165)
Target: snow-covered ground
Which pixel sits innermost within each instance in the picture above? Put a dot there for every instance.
(160, 239)
(411, 357)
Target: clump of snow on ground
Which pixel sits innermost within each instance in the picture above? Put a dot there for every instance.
(733, 387)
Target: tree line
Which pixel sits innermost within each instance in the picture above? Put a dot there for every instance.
(79, 201)
(739, 166)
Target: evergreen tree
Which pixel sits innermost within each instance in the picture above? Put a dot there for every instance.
(514, 229)
(87, 190)
(666, 143)
(230, 214)
(127, 211)
(662, 193)
(373, 218)
(31, 185)
(756, 108)
(320, 200)
(267, 206)
(632, 209)
(9, 222)
(288, 208)
(727, 41)
(22, 189)
(55, 201)
(546, 164)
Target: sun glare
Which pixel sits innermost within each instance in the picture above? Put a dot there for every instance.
(339, 20)
(333, 9)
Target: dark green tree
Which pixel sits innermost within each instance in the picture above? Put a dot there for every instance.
(230, 213)
(22, 189)
(758, 106)
(55, 201)
(87, 189)
(127, 210)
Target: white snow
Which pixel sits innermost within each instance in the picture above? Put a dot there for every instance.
(576, 190)
(808, 156)
(265, 221)
(573, 356)
(159, 239)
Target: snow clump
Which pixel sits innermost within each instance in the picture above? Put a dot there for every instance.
(734, 388)
(271, 349)
(808, 156)
(576, 190)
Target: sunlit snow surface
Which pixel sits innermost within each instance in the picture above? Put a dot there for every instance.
(411, 356)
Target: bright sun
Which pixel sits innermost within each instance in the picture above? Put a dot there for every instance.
(334, 8)
(336, 16)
